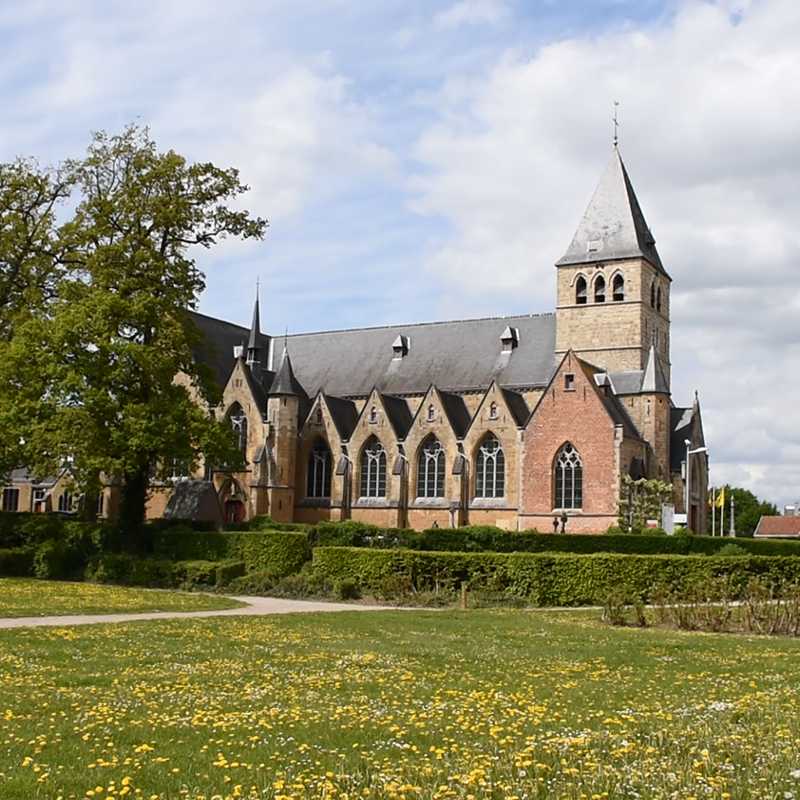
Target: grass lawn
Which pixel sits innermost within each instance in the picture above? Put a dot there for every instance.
(22, 597)
(396, 704)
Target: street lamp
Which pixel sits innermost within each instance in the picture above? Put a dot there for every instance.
(689, 452)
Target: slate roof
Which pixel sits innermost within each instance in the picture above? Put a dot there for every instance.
(613, 226)
(517, 405)
(454, 356)
(680, 425)
(653, 379)
(457, 412)
(611, 402)
(344, 415)
(285, 382)
(778, 526)
(399, 414)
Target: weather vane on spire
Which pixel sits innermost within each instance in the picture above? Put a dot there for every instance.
(616, 124)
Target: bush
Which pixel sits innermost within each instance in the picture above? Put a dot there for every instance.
(195, 574)
(731, 549)
(130, 570)
(545, 579)
(227, 571)
(16, 562)
(281, 553)
(257, 583)
(56, 560)
(346, 589)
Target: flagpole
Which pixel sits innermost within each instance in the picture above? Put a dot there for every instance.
(733, 519)
(713, 511)
(722, 515)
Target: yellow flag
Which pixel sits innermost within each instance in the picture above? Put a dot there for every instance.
(721, 498)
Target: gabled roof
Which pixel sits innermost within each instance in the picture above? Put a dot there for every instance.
(398, 413)
(616, 411)
(778, 526)
(613, 226)
(457, 413)
(680, 424)
(516, 405)
(344, 415)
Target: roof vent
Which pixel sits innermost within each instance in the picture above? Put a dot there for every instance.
(400, 346)
(238, 350)
(510, 339)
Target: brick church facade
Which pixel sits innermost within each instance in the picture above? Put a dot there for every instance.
(508, 421)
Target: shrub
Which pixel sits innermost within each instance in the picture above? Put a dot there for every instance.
(130, 570)
(731, 549)
(226, 571)
(257, 583)
(16, 562)
(56, 560)
(195, 574)
(346, 589)
(545, 579)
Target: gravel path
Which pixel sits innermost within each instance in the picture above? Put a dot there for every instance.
(256, 606)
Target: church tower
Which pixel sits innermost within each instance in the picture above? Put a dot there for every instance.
(612, 289)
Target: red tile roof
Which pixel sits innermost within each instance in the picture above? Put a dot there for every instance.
(778, 526)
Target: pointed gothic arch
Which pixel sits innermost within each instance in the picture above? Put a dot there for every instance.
(580, 290)
(618, 288)
(567, 478)
(372, 468)
(599, 289)
(318, 470)
(430, 468)
(490, 468)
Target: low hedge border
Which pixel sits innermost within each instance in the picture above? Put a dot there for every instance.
(544, 579)
(279, 552)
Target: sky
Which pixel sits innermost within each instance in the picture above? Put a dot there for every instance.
(431, 159)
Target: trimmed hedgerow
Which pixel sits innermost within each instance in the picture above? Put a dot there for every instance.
(130, 570)
(544, 579)
(279, 552)
(16, 562)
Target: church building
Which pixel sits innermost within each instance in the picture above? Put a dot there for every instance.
(507, 421)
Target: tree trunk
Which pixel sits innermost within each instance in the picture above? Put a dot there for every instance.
(132, 509)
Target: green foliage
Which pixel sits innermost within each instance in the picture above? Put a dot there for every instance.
(748, 510)
(545, 579)
(641, 500)
(56, 560)
(16, 562)
(94, 371)
(131, 570)
(346, 589)
(280, 552)
(194, 574)
(227, 571)
(732, 549)
(255, 583)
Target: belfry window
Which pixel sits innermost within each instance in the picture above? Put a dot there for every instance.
(318, 482)
(238, 420)
(580, 291)
(490, 469)
(373, 469)
(430, 469)
(618, 288)
(568, 478)
(599, 289)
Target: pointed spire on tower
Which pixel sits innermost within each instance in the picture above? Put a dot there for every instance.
(653, 379)
(254, 342)
(613, 226)
(284, 382)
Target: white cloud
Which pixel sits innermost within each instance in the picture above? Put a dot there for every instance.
(472, 12)
(710, 120)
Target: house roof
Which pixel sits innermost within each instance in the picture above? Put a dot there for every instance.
(399, 414)
(460, 355)
(457, 412)
(344, 415)
(285, 382)
(680, 420)
(613, 226)
(517, 406)
(653, 378)
(778, 526)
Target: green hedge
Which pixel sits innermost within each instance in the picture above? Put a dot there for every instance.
(544, 579)
(485, 538)
(16, 562)
(279, 552)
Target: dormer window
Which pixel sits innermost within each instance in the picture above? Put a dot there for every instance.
(618, 288)
(600, 289)
(509, 338)
(431, 413)
(373, 415)
(493, 411)
(400, 347)
(580, 291)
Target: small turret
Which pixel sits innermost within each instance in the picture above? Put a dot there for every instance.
(284, 383)
(254, 342)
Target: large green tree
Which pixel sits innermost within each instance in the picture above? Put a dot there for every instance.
(32, 260)
(97, 370)
(748, 509)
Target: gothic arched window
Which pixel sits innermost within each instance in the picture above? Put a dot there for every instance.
(658, 299)
(373, 469)
(430, 469)
(618, 288)
(238, 420)
(568, 478)
(653, 294)
(318, 483)
(580, 291)
(490, 469)
(66, 502)
(599, 289)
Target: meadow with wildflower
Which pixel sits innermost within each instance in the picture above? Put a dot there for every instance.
(23, 597)
(401, 705)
